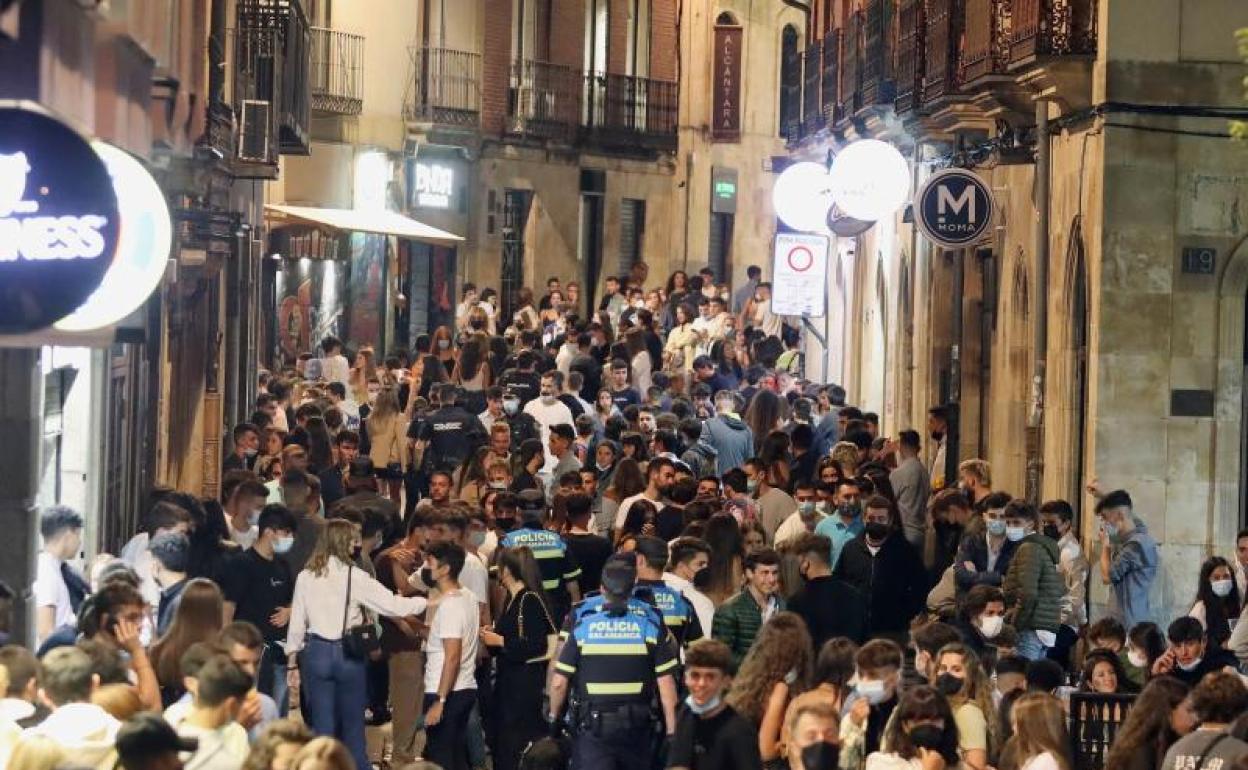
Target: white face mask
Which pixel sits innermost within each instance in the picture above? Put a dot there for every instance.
(1137, 658)
(990, 625)
(1222, 587)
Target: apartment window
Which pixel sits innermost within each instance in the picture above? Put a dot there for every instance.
(790, 82)
(596, 21)
(632, 233)
(530, 24)
(637, 56)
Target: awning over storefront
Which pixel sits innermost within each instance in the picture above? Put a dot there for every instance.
(377, 222)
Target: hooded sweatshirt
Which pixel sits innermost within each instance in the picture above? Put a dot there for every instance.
(1033, 587)
(731, 438)
(86, 732)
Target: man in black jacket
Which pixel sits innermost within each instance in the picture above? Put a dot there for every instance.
(830, 606)
(883, 565)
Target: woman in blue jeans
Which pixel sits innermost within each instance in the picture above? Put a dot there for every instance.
(331, 596)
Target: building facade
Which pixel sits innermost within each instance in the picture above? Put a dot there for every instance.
(1098, 332)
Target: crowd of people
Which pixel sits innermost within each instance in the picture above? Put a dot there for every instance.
(629, 538)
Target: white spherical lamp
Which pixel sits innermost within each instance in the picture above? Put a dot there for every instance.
(870, 180)
(802, 196)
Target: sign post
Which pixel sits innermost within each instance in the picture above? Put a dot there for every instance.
(954, 208)
(799, 273)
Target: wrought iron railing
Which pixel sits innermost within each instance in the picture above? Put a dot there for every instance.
(812, 73)
(878, 86)
(851, 66)
(445, 88)
(337, 72)
(1094, 722)
(940, 60)
(275, 37)
(624, 111)
(986, 47)
(544, 100)
(1051, 28)
(911, 26)
(831, 77)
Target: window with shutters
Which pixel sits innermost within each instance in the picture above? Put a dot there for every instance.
(632, 232)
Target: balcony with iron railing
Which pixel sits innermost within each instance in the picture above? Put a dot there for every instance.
(626, 112)
(851, 67)
(1044, 28)
(985, 47)
(878, 86)
(943, 28)
(911, 29)
(272, 42)
(544, 101)
(812, 92)
(337, 72)
(445, 88)
(831, 88)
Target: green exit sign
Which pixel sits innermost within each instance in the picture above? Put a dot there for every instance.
(725, 189)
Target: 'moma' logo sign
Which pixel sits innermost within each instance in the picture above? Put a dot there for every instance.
(954, 208)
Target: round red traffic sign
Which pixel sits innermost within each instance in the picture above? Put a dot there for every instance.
(800, 259)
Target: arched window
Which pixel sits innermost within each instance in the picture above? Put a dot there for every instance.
(726, 19)
(790, 83)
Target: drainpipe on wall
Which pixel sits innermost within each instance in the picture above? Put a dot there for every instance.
(1035, 419)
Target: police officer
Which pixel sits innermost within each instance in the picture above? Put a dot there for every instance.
(449, 434)
(678, 614)
(523, 425)
(559, 570)
(614, 664)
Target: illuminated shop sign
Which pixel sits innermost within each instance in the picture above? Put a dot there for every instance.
(434, 185)
(59, 220)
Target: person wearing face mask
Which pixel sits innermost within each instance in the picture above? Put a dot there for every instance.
(1217, 604)
(805, 519)
(830, 606)
(1189, 658)
(170, 557)
(448, 435)
(877, 691)
(243, 495)
(985, 552)
(710, 734)
(922, 736)
(689, 573)
(961, 679)
(883, 565)
(1058, 517)
(938, 428)
(1129, 558)
(547, 410)
(242, 457)
(258, 589)
(1033, 588)
(845, 522)
(981, 618)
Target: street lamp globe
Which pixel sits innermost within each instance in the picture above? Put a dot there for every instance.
(870, 180)
(802, 196)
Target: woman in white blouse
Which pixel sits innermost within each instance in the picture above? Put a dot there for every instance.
(334, 694)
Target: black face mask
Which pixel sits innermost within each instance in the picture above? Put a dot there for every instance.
(356, 551)
(820, 756)
(948, 684)
(426, 576)
(937, 435)
(927, 737)
(1050, 531)
(876, 530)
(507, 523)
(702, 578)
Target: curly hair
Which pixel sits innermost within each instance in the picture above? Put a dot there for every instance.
(782, 648)
(976, 690)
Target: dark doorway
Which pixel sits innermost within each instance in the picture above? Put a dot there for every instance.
(516, 205)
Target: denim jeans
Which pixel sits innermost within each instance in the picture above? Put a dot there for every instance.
(446, 742)
(273, 679)
(1029, 645)
(333, 695)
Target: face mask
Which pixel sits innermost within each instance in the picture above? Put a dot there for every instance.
(505, 523)
(1014, 534)
(548, 399)
(702, 578)
(990, 625)
(283, 544)
(1137, 658)
(250, 453)
(1111, 530)
(511, 406)
(724, 296)
(1050, 531)
(849, 510)
(253, 518)
(751, 485)
(1222, 587)
(790, 677)
(1190, 666)
(444, 344)
(500, 485)
(927, 737)
(873, 690)
(806, 509)
(477, 538)
(145, 634)
(602, 466)
(356, 551)
(876, 530)
(703, 708)
(948, 684)
(820, 756)
(426, 577)
(937, 435)
(996, 527)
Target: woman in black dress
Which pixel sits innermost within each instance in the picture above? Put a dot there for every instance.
(520, 644)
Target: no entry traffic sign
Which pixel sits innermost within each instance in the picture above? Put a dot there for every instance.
(799, 275)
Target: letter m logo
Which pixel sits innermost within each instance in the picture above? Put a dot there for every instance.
(946, 204)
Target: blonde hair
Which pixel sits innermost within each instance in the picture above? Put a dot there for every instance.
(976, 690)
(336, 540)
(846, 454)
(323, 753)
(37, 752)
(979, 469)
(120, 700)
(1039, 727)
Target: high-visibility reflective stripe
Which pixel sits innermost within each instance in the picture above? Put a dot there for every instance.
(572, 574)
(564, 667)
(674, 621)
(551, 585)
(613, 649)
(613, 688)
(563, 636)
(670, 664)
(547, 553)
(651, 640)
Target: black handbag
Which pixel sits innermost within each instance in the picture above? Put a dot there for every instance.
(358, 642)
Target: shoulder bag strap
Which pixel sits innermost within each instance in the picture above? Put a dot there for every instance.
(1200, 763)
(346, 604)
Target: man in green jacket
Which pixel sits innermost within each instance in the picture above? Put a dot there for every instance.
(1033, 586)
(737, 620)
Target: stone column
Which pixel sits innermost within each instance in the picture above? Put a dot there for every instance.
(21, 410)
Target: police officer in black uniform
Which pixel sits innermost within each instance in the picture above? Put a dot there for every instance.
(449, 434)
(679, 616)
(523, 426)
(523, 380)
(559, 569)
(615, 666)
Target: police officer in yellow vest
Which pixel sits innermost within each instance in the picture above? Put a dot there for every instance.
(615, 665)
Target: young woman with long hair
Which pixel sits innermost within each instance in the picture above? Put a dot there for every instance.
(922, 734)
(775, 670)
(961, 679)
(626, 480)
(474, 373)
(1145, 644)
(682, 342)
(723, 534)
(331, 586)
(1041, 741)
(1103, 673)
(471, 481)
(519, 641)
(199, 618)
(442, 346)
(1217, 604)
(320, 445)
(640, 365)
(364, 371)
(1160, 716)
(766, 413)
(386, 428)
(834, 668)
(525, 317)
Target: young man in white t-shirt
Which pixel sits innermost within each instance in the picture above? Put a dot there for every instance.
(450, 658)
(57, 588)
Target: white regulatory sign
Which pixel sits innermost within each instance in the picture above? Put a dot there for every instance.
(799, 275)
